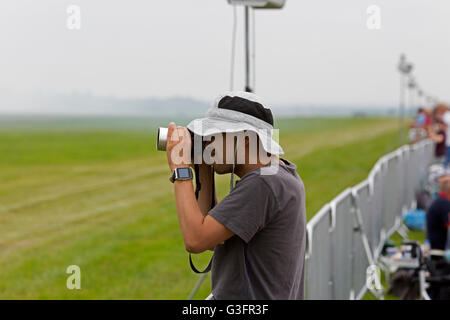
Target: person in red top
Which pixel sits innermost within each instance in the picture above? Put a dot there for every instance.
(428, 117)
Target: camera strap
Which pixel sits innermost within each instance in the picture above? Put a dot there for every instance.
(207, 269)
(213, 199)
(198, 186)
(213, 203)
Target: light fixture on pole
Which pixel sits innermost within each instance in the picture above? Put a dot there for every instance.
(255, 4)
(260, 4)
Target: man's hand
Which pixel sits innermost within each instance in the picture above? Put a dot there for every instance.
(178, 148)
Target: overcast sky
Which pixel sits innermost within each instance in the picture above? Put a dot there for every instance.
(312, 51)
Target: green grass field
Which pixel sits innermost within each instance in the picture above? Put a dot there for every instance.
(94, 192)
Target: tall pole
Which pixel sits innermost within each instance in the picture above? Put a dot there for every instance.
(402, 108)
(412, 100)
(405, 68)
(247, 49)
(253, 4)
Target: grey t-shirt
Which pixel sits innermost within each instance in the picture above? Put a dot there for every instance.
(265, 258)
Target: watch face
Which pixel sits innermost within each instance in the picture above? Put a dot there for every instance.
(183, 173)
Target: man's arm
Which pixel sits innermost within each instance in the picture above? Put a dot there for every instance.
(200, 231)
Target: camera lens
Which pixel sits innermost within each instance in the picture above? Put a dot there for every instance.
(161, 141)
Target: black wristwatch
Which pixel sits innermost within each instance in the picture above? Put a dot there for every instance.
(184, 173)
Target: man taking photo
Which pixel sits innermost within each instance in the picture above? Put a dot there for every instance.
(258, 230)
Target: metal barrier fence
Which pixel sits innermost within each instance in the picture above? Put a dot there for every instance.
(347, 234)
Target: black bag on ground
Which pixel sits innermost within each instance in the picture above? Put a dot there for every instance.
(403, 284)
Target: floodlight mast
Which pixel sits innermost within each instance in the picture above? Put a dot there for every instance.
(255, 4)
(412, 86)
(247, 51)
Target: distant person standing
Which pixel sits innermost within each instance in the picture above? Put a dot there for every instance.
(444, 110)
(421, 118)
(438, 134)
(420, 126)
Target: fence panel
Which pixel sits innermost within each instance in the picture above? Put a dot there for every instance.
(408, 163)
(429, 156)
(413, 173)
(318, 277)
(362, 197)
(403, 154)
(425, 149)
(388, 189)
(377, 205)
(338, 252)
(391, 188)
(342, 211)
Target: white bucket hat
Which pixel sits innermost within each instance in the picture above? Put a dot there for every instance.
(238, 111)
(437, 171)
